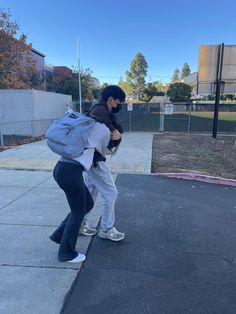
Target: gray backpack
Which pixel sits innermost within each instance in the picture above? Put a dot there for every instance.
(68, 137)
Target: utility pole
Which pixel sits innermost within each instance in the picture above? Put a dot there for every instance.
(218, 86)
(78, 56)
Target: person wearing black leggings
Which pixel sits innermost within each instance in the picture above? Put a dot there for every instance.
(68, 173)
(69, 177)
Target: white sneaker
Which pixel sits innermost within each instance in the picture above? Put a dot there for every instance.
(88, 231)
(111, 234)
(80, 258)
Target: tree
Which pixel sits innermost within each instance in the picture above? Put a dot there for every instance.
(69, 84)
(89, 85)
(136, 75)
(17, 68)
(161, 87)
(185, 70)
(37, 80)
(175, 76)
(151, 90)
(127, 87)
(49, 81)
(179, 92)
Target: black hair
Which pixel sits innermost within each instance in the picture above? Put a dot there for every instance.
(113, 91)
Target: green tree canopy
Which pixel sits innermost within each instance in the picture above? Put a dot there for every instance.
(136, 76)
(162, 87)
(185, 70)
(89, 85)
(151, 90)
(127, 87)
(17, 68)
(179, 92)
(175, 76)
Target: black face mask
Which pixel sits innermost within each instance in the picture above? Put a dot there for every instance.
(117, 109)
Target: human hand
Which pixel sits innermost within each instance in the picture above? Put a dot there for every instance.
(115, 135)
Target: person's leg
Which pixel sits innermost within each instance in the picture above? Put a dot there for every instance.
(93, 191)
(68, 242)
(58, 233)
(90, 185)
(101, 178)
(86, 228)
(69, 178)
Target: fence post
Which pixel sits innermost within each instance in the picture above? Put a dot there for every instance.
(162, 117)
(1, 136)
(189, 116)
(130, 109)
(130, 122)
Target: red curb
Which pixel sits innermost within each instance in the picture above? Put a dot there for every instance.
(197, 177)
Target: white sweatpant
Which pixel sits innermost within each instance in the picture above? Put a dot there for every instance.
(99, 180)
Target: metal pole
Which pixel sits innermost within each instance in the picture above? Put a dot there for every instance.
(162, 114)
(162, 117)
(130, 127)
(197, 85)
(78, 54)
(218, 85)
(1, 137)
(189, 116)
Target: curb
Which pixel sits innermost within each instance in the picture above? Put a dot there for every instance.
(197, 177)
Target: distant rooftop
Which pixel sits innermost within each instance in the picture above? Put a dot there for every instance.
(160, 99)
(37, 52)
(190, 79)
(62, 70)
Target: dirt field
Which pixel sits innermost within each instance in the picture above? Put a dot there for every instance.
(176, 152)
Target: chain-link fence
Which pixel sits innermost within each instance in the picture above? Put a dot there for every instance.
(184, 117)
(19, 132)
(27, 114)
(181, 117)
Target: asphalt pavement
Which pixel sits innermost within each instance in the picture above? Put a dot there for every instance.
(178, 257)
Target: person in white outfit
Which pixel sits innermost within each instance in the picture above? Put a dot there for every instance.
(99, 178)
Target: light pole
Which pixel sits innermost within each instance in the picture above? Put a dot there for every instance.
(220, 59)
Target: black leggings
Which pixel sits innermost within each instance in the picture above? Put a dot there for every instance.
(69, 177)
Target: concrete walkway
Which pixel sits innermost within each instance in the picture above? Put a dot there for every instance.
(31, 206)
(133, 156)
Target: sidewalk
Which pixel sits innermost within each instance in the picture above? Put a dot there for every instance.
(133, 156)
(31, 206)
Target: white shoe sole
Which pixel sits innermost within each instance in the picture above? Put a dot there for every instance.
(88, 234)
(79, 259)
(111, 239)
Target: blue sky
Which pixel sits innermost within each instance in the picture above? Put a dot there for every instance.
(111, 32)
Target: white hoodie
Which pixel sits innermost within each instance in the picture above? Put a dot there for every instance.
(98, 139)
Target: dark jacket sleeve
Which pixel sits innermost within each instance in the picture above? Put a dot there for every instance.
(101, 115)
(115, 123)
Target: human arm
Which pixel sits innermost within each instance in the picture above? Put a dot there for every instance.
(116, 135)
